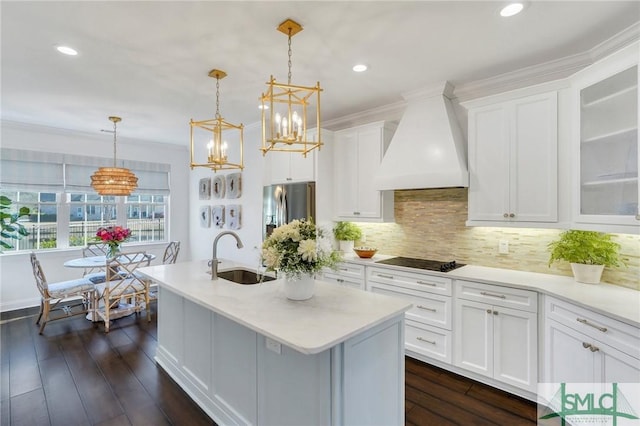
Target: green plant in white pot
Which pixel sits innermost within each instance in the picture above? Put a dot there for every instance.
(587, 251)
(346, 233)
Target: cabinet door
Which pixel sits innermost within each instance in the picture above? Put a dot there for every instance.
(608, 147)
(566, 358)
(473, 334)
(291, 167)
(489, 163)
(197, 338)
(345, 172)
(369, 200)
(515, 359)
(533, 195)
(616, 366)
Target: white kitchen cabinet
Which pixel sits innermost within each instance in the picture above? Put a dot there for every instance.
(428, 322)
(513, 155)
(346, 274)
(495, 333)
(358, 152)
(606, 141)
(582, 346)
(289, 167)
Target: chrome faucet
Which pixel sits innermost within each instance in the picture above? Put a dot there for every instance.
(214, 260)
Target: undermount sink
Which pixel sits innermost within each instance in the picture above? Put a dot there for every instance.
(243, 276)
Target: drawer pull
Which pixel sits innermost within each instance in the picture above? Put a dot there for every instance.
(422, 339)
(488, 311)
(340, 280)
(585, 322)
(427, 283)
(495, 312)
(499, 296)
(343, 269)
(385, 276)
(426, 308)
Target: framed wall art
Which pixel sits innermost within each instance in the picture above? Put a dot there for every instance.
(205, 216)
(234, 216)
(234, 185)
(217, 216)
(218, 187)
(204, 189)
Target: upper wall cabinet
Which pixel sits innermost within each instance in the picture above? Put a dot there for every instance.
(358, 152)
(513, 155)
(606, 149)
(288, 167)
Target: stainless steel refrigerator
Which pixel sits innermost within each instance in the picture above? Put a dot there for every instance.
(286, 202)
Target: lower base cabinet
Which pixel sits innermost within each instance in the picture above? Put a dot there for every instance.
(494, 340)
(238, 376)
(586, 347)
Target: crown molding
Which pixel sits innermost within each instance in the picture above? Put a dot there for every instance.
(546, 71)
(389, 112)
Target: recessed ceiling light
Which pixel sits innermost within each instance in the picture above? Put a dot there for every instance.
(511, 9)
(67, 50)
(359, 68)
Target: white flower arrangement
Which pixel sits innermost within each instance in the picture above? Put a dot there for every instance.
(298, 248)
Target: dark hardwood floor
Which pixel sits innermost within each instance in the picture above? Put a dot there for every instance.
(76, 375)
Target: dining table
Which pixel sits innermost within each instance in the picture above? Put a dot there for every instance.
(92, 262)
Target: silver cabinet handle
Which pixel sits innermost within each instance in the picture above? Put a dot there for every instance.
(512, 215)
(495, 312)
(422, 339)
(343, 269)
(356, 213)
(586, 322)
(590, 347)
(426, 308)
(427, 283)
(488, 311)
(385, 276)
(340, 280)
(499, 296)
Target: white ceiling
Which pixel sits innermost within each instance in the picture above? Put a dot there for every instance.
(148, 61)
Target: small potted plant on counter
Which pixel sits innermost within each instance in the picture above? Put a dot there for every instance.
(346, 233)
(587, 251)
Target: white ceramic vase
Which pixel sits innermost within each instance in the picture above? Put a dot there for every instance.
(346, 247)
(299, 288)
(588, 274)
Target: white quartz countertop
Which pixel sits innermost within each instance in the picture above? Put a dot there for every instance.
(331, 316)
(614, 301)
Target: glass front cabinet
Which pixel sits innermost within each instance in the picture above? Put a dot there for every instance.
(607, 163)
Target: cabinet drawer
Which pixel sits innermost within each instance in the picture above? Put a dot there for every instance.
(619, 335)
(523, 300)
(428, 308)
(350, 270)
(430, 341)
(414, 281)
(341, 280)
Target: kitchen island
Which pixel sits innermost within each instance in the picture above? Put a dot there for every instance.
(248, 355)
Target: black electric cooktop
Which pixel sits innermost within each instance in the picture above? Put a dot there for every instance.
(429, 265)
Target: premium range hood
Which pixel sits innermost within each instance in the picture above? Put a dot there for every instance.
(427, 149)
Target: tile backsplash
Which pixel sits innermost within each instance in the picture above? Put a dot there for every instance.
(430, 224)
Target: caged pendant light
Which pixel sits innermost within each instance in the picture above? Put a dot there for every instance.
(285, 108)
(114, 180)
(212, 139)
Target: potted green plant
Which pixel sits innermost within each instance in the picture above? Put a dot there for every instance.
(588, 252)
(11, 228)
(346, 233)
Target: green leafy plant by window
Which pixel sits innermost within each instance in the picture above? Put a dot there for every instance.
(586, 247)
(347, 231)
(11, 228)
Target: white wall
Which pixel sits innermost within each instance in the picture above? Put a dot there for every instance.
(17, 285)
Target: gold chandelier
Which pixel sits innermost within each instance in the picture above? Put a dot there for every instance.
(285, 108)
(217, 148)
(114, 180)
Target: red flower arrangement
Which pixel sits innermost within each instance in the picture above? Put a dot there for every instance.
(113, 236)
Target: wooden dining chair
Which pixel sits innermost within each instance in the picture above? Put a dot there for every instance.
(125, 291)
(91, 250)
(60, 296)
(171, 253)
